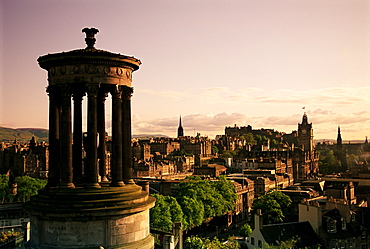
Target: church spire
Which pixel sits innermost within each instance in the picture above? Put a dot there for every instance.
(339, 139)
(180, 130)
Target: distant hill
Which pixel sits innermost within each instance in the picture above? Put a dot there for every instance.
(23, 134)
(147, 136)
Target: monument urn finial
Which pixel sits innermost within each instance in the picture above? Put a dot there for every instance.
(90, 36)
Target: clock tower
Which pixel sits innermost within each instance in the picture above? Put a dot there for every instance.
(308, 158)
(305, 134)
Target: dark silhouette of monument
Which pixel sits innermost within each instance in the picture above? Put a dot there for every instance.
(80, 208)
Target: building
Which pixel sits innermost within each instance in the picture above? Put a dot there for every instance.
(273, 234)
(295, 150)
(30, 159)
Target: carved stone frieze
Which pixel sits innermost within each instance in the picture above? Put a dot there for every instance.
(90, 69)
(90, 73)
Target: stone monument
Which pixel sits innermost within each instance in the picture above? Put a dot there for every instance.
(85, 203)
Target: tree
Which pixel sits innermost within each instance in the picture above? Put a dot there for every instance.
(202, 191)
(249, 138)
(274, 205)
(328, 163)
(274, 143)
(195, 242)
(193, 210)
(215, 150)
(227, 189)
(288, 244)
(4, 187)
(228, 154)
(209, 198)
(245, 230)
(165, 212)
(181, 152)
(28, 186)
(260, 139)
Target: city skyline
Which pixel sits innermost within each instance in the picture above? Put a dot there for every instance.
(215, 63)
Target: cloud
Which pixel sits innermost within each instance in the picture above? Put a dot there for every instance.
(325, 122)
(338, 97)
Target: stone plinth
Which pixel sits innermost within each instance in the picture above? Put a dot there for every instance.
(111, 217)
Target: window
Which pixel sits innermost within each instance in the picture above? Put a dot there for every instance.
(252, 241)
(344, 224)
(363, 235)
(333, 244)
(352, 243)
(332, 225)
(259, 243)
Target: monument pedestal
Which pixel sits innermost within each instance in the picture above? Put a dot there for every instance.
(109, 217)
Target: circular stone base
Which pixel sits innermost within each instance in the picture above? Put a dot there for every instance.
(110, 217)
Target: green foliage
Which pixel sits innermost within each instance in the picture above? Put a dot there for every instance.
(196, 201)
(228, 154)
(193, 210)
(25, 134)
(273, 205)
(216, 197)
(260, 139)
(4, 187)
(274, 143)
(352, 159)
(195, 242)
(8, 236)
(245, 230)
(227, 189)
(249, 138)
(288, 244)
(214, 150)
(328, 163)
(165, 212)
(21, 190)
(28, 186)
(181, 152)
(204, 192)
(194, 178)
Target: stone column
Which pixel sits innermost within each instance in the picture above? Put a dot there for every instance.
(116, 166)
(66, 139)
(91, 167)
(126, 135)
(54, 156)
(77, 136)
(101, 131)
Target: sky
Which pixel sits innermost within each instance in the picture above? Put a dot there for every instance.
(217, 63)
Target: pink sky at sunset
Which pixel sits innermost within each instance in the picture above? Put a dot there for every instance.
(216, 63)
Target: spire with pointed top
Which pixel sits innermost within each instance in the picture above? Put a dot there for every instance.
(180, 130)
(339, 137)
(304, 119)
